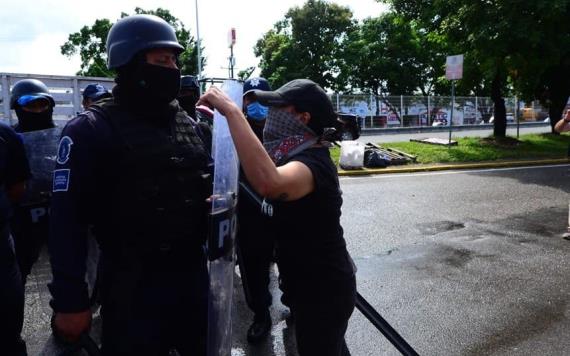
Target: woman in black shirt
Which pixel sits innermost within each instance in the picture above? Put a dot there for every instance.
(294, 172)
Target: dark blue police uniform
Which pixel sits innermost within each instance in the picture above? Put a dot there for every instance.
(14, 169)
(140, 178)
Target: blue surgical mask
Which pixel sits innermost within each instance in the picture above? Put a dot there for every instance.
(256, 111)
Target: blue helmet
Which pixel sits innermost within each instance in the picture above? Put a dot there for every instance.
(133, 34)
(28, 90)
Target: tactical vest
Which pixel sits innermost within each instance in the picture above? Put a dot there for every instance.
(158, 184)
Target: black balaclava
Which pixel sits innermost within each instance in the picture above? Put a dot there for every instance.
(32, 121)
(147, 87)
(188, 103)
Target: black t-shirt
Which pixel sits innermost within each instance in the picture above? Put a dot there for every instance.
(310, 243)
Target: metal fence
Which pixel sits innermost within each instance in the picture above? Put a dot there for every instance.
(66, 91)
(418, 111)
(375, 111)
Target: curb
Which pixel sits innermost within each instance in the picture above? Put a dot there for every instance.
(444, 167)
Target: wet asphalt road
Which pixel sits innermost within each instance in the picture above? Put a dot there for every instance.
(460, 263)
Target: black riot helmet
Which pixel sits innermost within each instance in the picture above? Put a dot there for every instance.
(136, 33)
(189, 82)
(29, 89)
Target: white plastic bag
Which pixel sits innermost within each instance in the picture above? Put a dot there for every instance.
(351, 155)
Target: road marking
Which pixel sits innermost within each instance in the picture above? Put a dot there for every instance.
(464, 171)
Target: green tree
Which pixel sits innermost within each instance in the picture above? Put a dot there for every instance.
(306, 44)
(90, 43)
(511, 45)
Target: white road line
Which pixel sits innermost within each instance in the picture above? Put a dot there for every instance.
(463, 171)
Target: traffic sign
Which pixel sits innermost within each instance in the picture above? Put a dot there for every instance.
(454, 67)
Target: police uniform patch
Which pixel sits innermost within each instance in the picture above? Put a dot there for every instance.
(61, 180)
(64, 149)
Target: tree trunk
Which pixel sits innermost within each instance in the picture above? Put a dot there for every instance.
(500, 111)
(559, 92)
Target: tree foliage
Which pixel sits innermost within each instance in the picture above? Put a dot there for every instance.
(509, 45)
(306, 44)
(90, 44)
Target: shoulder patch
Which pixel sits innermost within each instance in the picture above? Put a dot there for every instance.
(64, 150)
(61, 180)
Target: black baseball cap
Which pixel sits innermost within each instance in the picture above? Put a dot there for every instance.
(258, 83)
(95, 91)
(306, 96)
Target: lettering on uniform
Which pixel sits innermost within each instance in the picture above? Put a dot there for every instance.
(266, 208)
(64, 150)
(37, 213)
(227, 228)
(61, 180)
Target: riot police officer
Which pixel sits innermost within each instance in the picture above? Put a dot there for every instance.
(134, 167)
(14, 172)
(255, 244)
(93, 93)
(33, 104)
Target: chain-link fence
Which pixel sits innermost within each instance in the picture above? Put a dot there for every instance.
(374, 111)
(418, 111)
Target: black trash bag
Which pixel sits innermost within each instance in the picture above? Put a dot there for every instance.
(374, 158)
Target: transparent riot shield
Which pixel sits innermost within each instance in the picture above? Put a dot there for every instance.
(41, 149)
(221, 252)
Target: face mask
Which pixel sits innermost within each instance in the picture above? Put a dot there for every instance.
(33, 121)
(188, 103)
(157, 84)
(256, 111)
(284, 135)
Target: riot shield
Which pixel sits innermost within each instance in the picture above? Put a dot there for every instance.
(41, 149)
(222, 230)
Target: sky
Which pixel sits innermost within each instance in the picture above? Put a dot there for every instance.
(32, 32)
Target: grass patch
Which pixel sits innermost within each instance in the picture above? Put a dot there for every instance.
(477, 149)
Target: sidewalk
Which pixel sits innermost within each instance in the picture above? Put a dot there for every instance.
(414, 168)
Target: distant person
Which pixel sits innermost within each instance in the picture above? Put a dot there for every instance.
(563, 124)
(33, 103)
(188, 97)
(93, 93)
(14, 172)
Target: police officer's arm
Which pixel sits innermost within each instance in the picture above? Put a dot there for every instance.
(291, 181)
(17, 167)
(73, 189)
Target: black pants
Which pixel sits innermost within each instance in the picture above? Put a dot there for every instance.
(321, 315)
(159, 305)
(11, 299)
(255, 254)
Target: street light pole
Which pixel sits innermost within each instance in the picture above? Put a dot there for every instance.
(198, 45)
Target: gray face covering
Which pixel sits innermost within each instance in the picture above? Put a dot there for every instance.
(284, 134)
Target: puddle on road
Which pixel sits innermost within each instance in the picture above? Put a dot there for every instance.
(437, 227)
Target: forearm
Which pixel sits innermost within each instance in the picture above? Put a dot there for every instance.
(259, 169)
(562, 126)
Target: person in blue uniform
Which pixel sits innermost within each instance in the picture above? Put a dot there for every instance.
(33, 104)
(255, 245)
(14, 172)
(93, 93)
(135, 168)
(293, 170)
